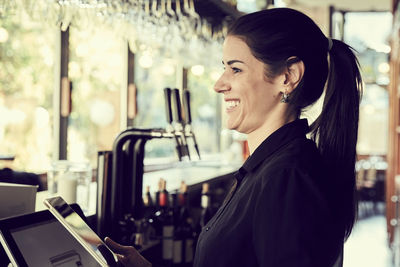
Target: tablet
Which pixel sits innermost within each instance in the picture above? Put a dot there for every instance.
(39, 239)
(81, 231)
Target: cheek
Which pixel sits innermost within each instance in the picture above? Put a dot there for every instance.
(262, 103)
(260, 95)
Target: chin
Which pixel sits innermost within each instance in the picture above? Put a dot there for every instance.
(231, 125)
(236, 128)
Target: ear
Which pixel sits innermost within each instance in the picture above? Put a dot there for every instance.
(293, 73)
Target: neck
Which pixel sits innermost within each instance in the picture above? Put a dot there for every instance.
(256, 137)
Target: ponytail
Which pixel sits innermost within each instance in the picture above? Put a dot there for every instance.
(335, 130)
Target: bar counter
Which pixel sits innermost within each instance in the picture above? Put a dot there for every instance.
(192, 173)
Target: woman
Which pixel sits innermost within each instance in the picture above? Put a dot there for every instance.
(293, 203)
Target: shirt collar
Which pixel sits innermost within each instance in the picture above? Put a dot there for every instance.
(240, 174)
(288, 132)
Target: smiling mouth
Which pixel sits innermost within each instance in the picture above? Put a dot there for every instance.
(231, 104)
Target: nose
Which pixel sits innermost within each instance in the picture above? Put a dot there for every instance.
(222, 85)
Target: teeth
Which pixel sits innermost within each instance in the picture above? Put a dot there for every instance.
(232, 103)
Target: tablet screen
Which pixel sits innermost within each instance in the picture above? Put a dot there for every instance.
(42, 242)
(78, 227)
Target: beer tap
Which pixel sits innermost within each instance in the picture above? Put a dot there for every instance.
(170, 128)
(188, 119)
(177, 118)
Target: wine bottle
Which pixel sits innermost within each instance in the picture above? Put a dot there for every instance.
(157, 204)
(147, 199)
(164, 196)
(183, 194)
(206, 212)
(183, 234)
(138, 238)
(178, 234)
(166, 218)
(156, 219)
(187, 229)
(189, 234)
(148, 205)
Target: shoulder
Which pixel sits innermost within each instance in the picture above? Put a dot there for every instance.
(295, 171)
(299, 158)
(293, 188)
(300, 152)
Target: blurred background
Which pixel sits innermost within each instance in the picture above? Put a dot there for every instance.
(75, 73)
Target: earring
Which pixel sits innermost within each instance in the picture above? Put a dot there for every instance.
(285, 97)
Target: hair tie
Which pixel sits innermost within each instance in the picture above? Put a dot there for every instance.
(330, 44)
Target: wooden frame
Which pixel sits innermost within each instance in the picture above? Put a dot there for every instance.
(393, 154)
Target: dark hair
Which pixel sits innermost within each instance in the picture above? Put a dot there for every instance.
(274, 36)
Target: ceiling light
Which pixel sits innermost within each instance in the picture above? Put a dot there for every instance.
(146, 60)
(383, 67)
(197, 70)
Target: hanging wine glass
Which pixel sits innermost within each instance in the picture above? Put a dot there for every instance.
(51, 13)
(83, 18)
(177, 32)
(132, 19)
(67, 11)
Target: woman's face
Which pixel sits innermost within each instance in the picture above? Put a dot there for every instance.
(250, 97)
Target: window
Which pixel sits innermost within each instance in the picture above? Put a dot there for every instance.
(97, 69)
(27, 60)
(205, 108)
(373, 50)
(154, 73)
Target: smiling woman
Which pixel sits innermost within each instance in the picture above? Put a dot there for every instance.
(271, 74)
(283, 209)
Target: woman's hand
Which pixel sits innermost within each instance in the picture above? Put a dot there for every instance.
(127, 255)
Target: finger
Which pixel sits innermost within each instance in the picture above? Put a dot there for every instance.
(117, 248)
(121, 259)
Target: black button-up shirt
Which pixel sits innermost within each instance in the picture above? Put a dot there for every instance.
(278, 214)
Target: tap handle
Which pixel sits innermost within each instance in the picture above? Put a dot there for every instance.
(177, 115)
(168, 108)
(186, 106)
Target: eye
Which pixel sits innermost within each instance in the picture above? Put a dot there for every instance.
(236, 70)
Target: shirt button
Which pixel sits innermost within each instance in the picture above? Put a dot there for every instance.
(207, 228)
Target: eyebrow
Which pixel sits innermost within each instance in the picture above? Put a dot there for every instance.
(230, 62)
